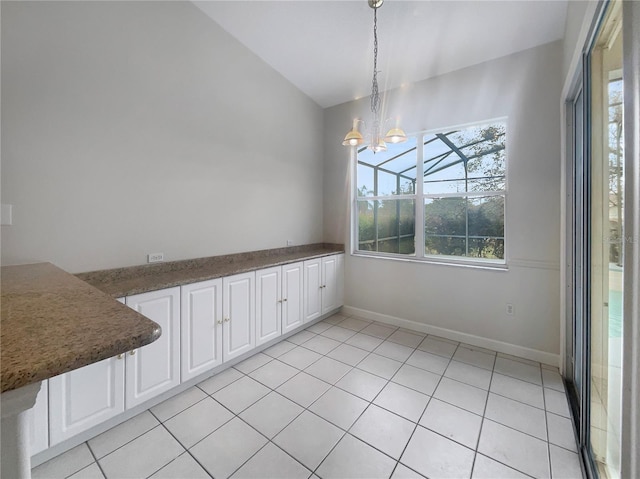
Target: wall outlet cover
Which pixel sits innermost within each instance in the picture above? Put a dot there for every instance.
(155, 257)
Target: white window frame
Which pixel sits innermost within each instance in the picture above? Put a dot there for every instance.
(419, 198)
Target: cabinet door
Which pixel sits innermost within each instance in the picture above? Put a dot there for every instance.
(238, 311)
(85, 397)
(312, 289)
(329, 284)
(292, 293)
(39, 437)
(340, 280)
(200, 328)
(268, 304)
(155, 368)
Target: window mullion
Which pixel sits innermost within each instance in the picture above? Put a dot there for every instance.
(375, 207)
(419, 203)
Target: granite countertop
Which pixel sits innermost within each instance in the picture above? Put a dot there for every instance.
(141, 279)
(52, 322)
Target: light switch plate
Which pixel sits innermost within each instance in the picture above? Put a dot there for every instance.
(6, 215)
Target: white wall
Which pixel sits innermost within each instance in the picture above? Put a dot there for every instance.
(525, 87)
(139, 127)
(580, 15)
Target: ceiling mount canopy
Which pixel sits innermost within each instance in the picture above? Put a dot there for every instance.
(395, 134)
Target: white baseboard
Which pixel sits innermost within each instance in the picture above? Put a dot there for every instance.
(482, 342)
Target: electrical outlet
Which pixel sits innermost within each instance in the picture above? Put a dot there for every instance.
(155, 257)
(510, 309)
(289, 242)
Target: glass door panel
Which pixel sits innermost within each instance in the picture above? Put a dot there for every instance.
(606, 231)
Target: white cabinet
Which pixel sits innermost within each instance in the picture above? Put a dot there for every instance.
(155, 368)
(238, 311)
(268, 304)
(85, 397)
(292, 293)
(200, 328)
(39, 435)
(203, 324)
(322, 277)
(340, 279)
(312, 289)
(329, 290)
(279, 306)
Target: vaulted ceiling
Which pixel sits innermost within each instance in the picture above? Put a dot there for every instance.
(325, 48)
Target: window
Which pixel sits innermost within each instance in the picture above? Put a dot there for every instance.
(455, 211)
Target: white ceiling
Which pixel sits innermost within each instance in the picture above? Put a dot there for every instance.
(325, 48)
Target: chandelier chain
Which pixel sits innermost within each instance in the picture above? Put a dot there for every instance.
(395, 134)
(375, 96)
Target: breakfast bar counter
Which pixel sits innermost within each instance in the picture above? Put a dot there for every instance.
(52, 322)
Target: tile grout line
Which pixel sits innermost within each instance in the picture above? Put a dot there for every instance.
(183, 452)
(126, 443)
(546, 423)
(513, 429)
(484, 413)
(275, 391)
(345, 432)
(359, 416)
(95, 459)
(417, 424)
(186, 449)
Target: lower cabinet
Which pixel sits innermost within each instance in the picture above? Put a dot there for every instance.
(85, 397)
(278, 301)
(268, 304)
(155, 368)
(323, 284)
(238, 311)
(329, 288)
(88, 396)
(200, 328)
(292, 293)
(312, 289)
(203, 325)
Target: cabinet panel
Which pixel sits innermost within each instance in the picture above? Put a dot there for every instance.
(200, 328)
(292, 294)
(340, 280)
(329, 284)
(312, 289)
(238, 315)
(39, 436)
(155, 368)
(85, 397)
(268, 304)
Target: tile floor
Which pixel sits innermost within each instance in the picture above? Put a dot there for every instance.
(348, 398)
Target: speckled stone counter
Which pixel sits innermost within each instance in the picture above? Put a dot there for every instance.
(140, 279)
(52, 322)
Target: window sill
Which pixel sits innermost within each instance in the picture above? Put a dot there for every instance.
(438, 261)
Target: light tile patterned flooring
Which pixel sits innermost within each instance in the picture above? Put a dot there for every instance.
(348, 398)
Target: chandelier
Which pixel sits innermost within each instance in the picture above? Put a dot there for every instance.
(395, 134)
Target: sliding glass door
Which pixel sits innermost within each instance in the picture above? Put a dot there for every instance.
(596, 249)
